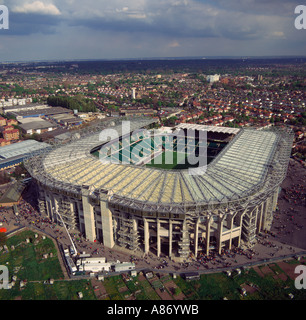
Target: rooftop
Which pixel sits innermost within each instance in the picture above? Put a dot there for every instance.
(208, 128)
(36, 124)
(12, 194)
(21, 148)
(41, 112)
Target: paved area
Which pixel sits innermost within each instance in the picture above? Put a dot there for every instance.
(287, 234)
(289, 223)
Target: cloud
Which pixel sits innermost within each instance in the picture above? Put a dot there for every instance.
(136, 28)
(124, 9)
(173, 17)
(234, 19)
(270, 7)
(278, 35)
(25, 24)
(33, 17)
(178, 18)
(136, 15)
(174, 44)
(37, 7)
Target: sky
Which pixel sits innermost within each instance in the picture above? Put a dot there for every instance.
(115, 29)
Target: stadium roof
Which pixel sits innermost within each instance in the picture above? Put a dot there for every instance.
(239, 170)
(21, 148)
(208, 128)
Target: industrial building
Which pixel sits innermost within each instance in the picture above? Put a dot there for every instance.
(45, 111)
(14, 154)
(67, 120)
(213, 78)
(22, 107)
(142, 209)
(36, 125)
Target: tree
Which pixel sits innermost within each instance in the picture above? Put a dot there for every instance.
(3, 238)
(176, 291)
(78, 102)
(4, 177)
(20, 170)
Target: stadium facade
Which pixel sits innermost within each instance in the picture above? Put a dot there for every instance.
(167, 212)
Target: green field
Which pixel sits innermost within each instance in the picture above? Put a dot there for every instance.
(26, 262)
(267, 282)
(59, 290)
(219, 286)
(274, 286)
(171, 160)
(172, 157)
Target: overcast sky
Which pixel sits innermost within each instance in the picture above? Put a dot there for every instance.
(106, 29)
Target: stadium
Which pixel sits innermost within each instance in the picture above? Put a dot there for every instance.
(137, 206)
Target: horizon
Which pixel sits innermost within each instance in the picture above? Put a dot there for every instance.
(160, 58)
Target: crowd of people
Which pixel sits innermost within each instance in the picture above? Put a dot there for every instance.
(290, 218)
(296, 194)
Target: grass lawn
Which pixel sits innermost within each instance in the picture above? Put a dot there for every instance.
(187, 288)
(115, 287)
(147, 292)
(171, 160)
(26, 262)
(59, 290)
(217, 286)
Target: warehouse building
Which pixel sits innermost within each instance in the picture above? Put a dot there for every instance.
(36, 125)
(14, 154)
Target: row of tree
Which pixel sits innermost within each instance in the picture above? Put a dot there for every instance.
(74, 103)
